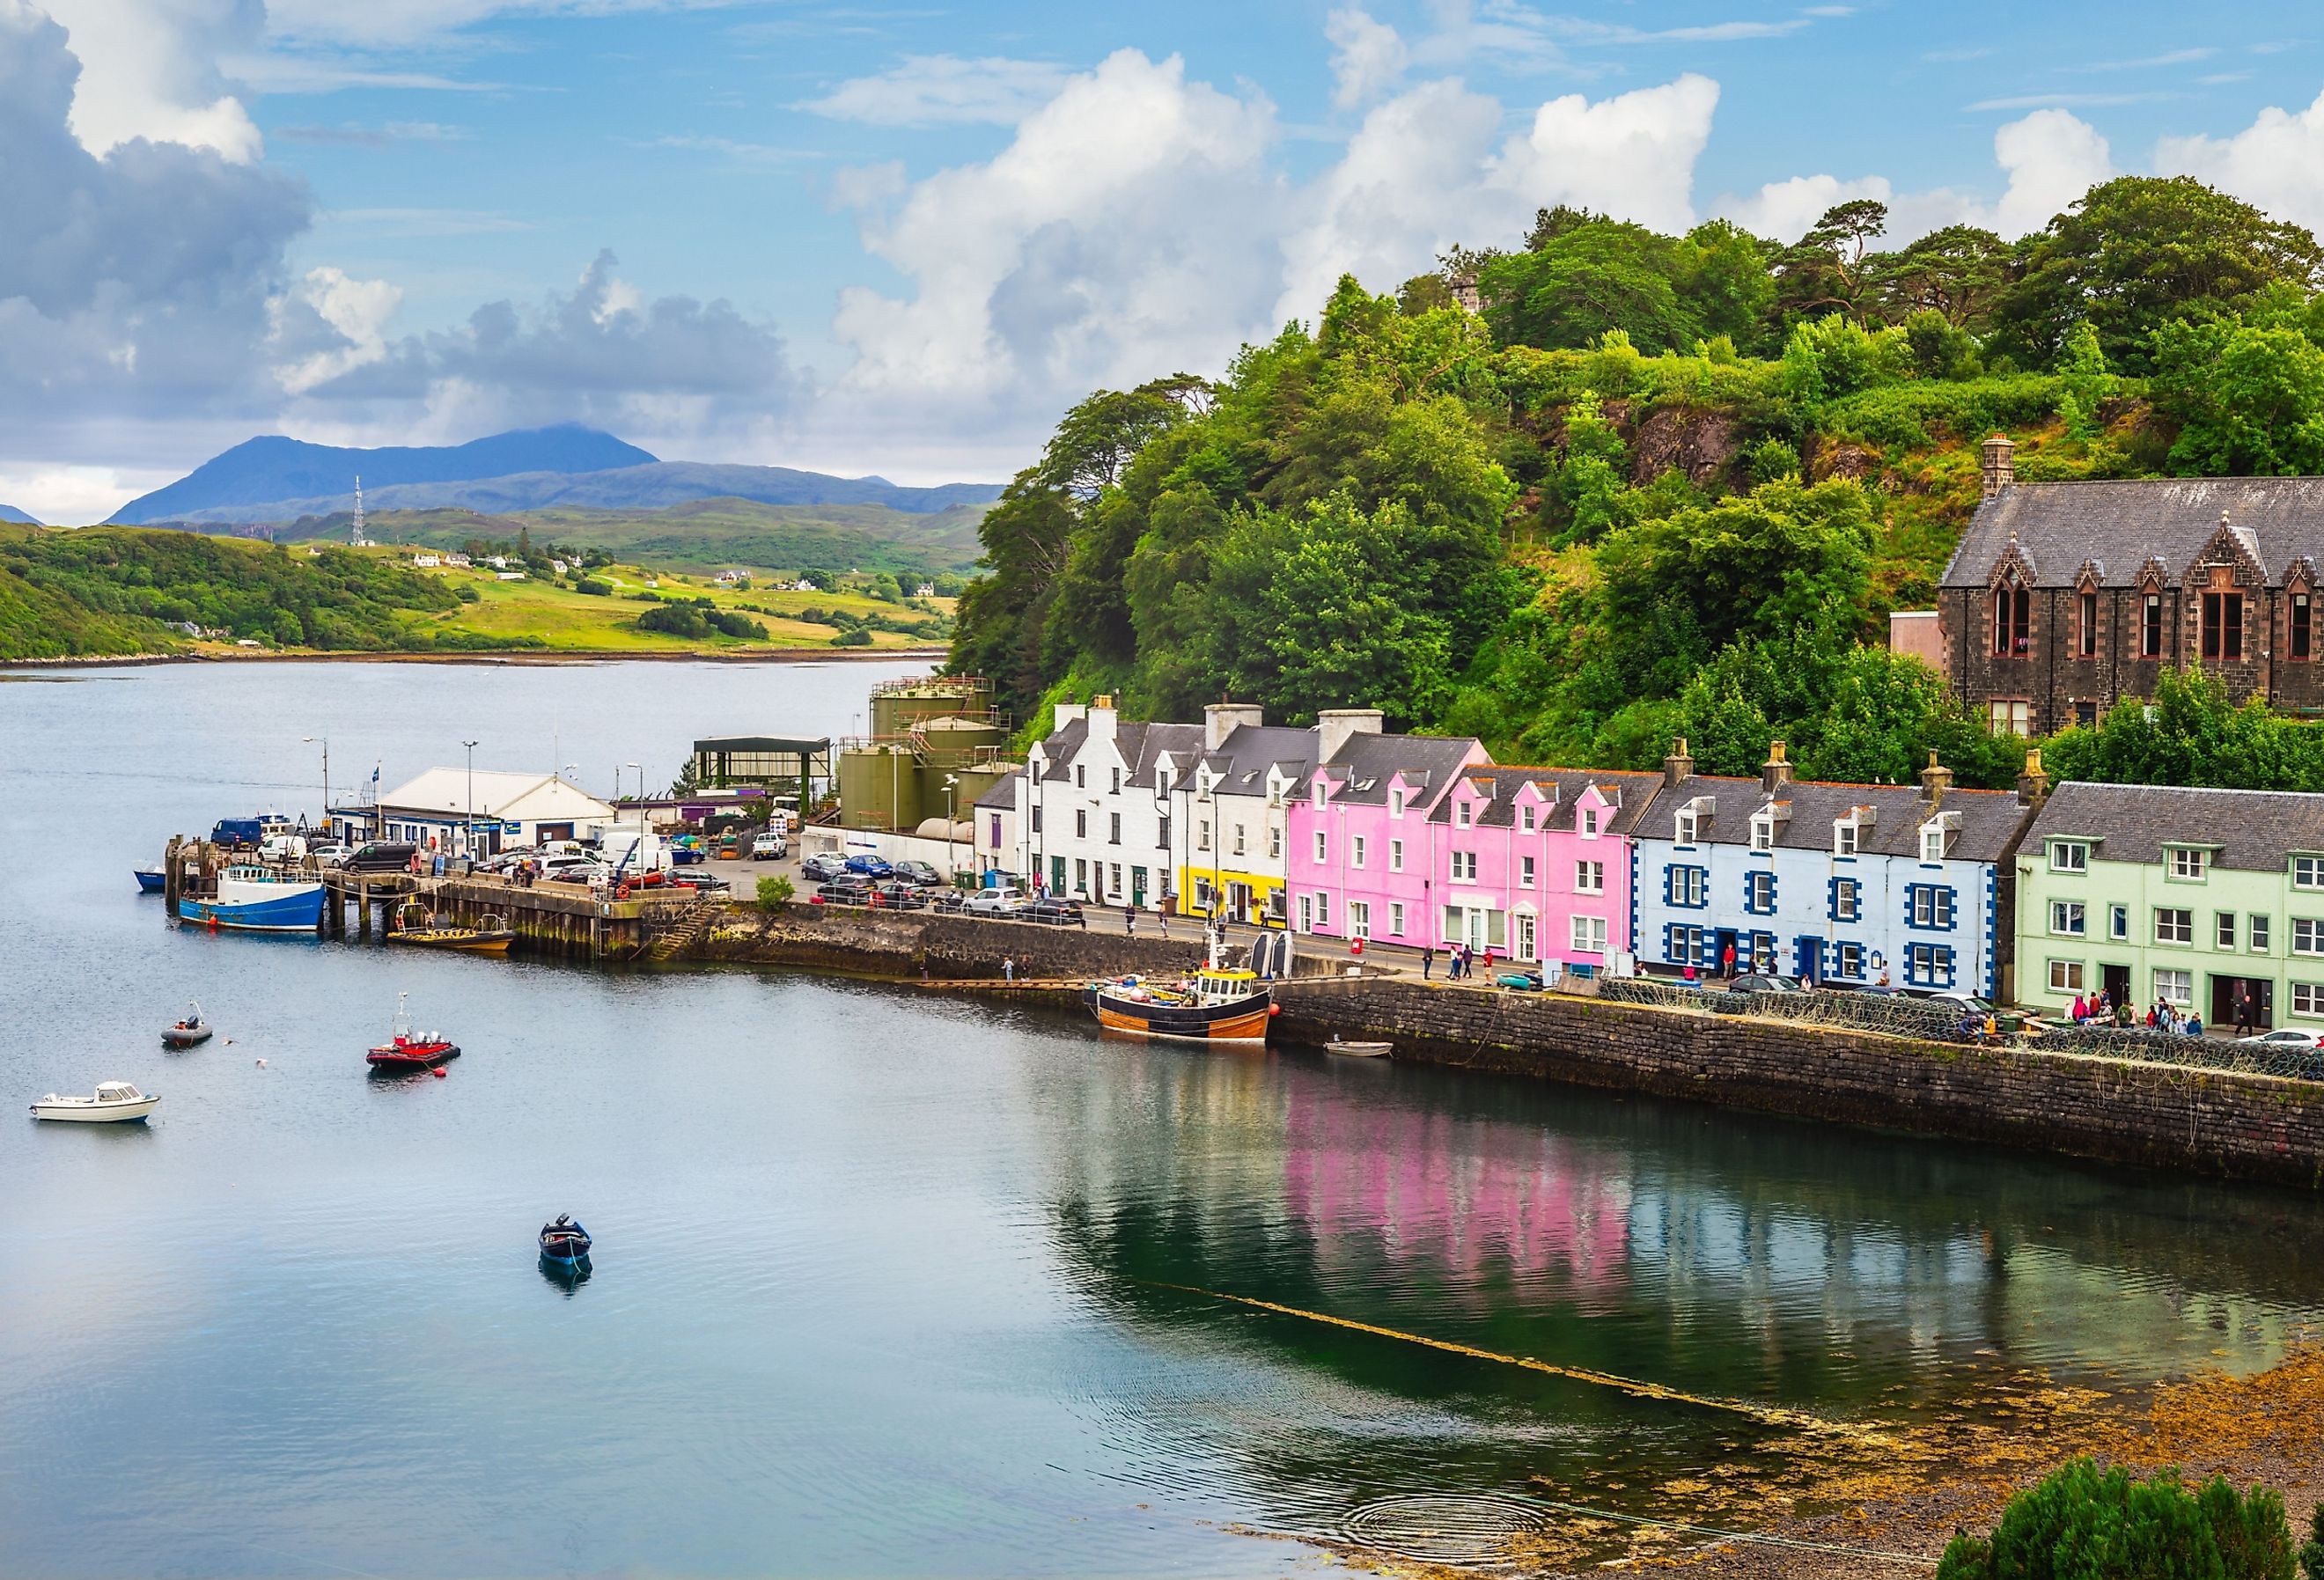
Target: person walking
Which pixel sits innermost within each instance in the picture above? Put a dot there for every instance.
(1162, 917)
(2243, 1017)
(1129, 920)
(1008, 968)
(1427, 960)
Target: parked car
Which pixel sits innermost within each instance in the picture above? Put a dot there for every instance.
(2285, 1037)
(854, 889)
(919, 873)
(822, 869)
(381, 855)
(769, 846)
(2008, 1021)
(1765, 982)
(951, 902)
(700, 882)
(899, 895)
(1520, 981)
(328, 855)
(1003, 901)
(869, 866)
(1054, 911)
(579, 873)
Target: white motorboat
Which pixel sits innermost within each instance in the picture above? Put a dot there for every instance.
(116, 1101)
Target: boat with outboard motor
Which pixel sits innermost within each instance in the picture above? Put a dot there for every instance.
(252, 899)
(150, 880)
(188, 1032)
(489, 936)
(1218, 1003)
(565, 1243)
(116, 1102)
(407, 1049)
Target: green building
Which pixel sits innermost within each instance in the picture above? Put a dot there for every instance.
(2205, 898)
(937, 742)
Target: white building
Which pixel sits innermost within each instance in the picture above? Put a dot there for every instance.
(427, 562)
(998, 821)
(435, 810)
(1095, 807)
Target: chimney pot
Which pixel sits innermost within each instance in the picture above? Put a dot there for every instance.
(1678, 767)
(2033, 784)
(2000, 469)
(1778, 774)
(1935, 781)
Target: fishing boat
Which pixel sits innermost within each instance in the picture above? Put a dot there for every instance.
(251, 900)
(1215, 1004)
(407, 1049)
(116, 1102)
(565, 1244)
(1358, 1049)
(150, 880)
(489, 936)
(190, 1032)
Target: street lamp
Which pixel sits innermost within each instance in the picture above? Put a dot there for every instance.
(639, 849)
(469, 839)
(326, 741)
(951, 782)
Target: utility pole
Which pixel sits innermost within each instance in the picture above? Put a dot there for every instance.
(326, 740)
(469, 839)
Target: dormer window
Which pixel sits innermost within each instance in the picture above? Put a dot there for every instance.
(1463, 814)
(1396, 803)
(2013, 619)
(1081, 776)
(1688, 825)
(1932, 842)
(1589, 822)
(1763, 831)
(1524, 819)
(2187, 862)
(1319, 794)
(1844, 837)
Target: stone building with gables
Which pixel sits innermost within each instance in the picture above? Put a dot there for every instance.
(2064, 597)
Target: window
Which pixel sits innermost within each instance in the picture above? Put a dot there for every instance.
(1464, 866)
(1932, 842)
(1846, 899)
(1115, 788)
(1036, 817)
(1524, 819)
(1081, 776)
(1239, 839)
(1525, 872)
(2307, 936)
(2223, 625)
(2069, 855)
(1322, 911)
(2150, 626)
(1081, 875)
(1114, 879)
(1162, 832)
(1460, 815)
(2225, 923)
(2255, 929)
(2308, 872)
(1589, 822)
(1929, 964)
(2301, 628)
(1590, 877)
(1081, 825)
(1319, 845)
(2066, 918)
(1359, 920)
(1395, 855)
(1113, 828)
(2065, 976)
(1686, 945)
(1319, 794)
(1847, 960)
(2175, 926)
(1762, 833)
(1687, 826)
(2176, 987)
(1202, 834)
(1274, 844)
(1396, 809)
(2118, 921)
(2308, 999)
(1395, 918)
(1356, 851)
(1759, 893)
(1929, 905)
(2010, 718)
(2187, 864)
(1843, 840)
(2012, 620)
(1590, 934)
(2087, 638)
(1685, 886)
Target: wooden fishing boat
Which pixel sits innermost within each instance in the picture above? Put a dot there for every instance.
(407, 1049)
(190, 1032)
(1216, 1005)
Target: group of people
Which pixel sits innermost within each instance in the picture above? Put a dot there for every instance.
(1460, 962)
(2161, 1015)
(2101, 1010)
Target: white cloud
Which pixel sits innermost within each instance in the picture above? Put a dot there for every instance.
(1783, 210)
(148, 70)
(1367, 56)
(2276, 162)
(929, 90)
(76, 496)
(354, 312)
(2051, 158)
(1631, 156)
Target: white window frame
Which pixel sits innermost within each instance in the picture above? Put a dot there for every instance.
(2188, 862)
(1395, 918)
(2310, 928)
(1360, 919)
(1464, 866)
(1321, 847)
(1588, 934)
(2118, 923)
(2308, 872)
(2224, 931)
(1589, 822)
(1525, 872)
(1763, 832)
(2068, 919)
(2180, 930)
(1396, 803)
(1933, 842)
(2166, 979)
(2067, 976)
(1525, 818)
(1355, 850)
(1395, 855)
(1844, 833)
(2258, 932)
(2069, 855)
(1589, 877)
(2308, 1000)
(1686, 828)
(1464, 815)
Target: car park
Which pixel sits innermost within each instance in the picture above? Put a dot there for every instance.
(951, 902)
(769, 846)
(919, 873)
(869, 866)
(898, 895)
(822, 869)
(851, 889)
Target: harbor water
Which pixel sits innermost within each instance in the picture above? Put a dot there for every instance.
(888, 1283)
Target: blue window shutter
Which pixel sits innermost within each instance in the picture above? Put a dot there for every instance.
(1670, 884)
(1831, 899)
(1950, 906)
(1771, 906)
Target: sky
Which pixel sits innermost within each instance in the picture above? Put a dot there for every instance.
(902, 238)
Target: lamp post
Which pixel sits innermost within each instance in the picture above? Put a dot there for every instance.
(326, 741)
(470, 837)
(951, 786)
(639, 849)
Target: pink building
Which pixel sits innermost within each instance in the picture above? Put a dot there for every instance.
(1534, 863)
(1360, 849)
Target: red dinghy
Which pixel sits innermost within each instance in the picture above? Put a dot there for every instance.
(410, 1051)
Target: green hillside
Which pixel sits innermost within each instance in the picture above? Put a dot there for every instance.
(707, 534)
(1659, 485)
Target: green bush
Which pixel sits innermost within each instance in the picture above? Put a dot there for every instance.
(775, 893)
(2311, 1552)
(698, 618)
(2082, 1523)
(859, 637)
(468, 595)
(596, 587)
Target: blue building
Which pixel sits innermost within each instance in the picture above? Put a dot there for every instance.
(1864, 884)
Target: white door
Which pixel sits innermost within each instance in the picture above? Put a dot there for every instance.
(1524, 936)
(1307, 913)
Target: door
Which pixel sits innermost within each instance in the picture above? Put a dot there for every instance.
(1525, 950)
(2259, 990)
(1239, 901)
(1722, 942)
(1138, 887)
(1811, 961)
(1307, 913)
(2117, 985)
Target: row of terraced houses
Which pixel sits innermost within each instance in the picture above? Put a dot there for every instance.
(2207, 898)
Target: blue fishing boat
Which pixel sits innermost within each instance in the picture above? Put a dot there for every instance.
(150, 880)
(565, 1244)
(251, 900)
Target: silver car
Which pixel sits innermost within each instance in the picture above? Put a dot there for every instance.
(999, 901)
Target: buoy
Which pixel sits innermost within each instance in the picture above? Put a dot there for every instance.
(212, 923)
(1273, 1010)
(262, 1063)
(439, 1072)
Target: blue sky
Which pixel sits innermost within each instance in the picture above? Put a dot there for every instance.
(901, 237)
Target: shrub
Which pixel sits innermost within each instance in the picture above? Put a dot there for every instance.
(2082, 1523)
(775, 893)
(596, 587)
(859, 637)
(468, 595)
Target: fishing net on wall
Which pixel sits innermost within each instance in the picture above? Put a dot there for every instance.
(2252, 1058)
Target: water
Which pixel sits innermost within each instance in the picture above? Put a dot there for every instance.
(887, 1285)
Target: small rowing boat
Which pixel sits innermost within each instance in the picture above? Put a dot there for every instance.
(1358, 1049)
(190, 1032)
(565, 1243)
(491, 936)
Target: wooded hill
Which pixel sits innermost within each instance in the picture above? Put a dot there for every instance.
(1657, 485)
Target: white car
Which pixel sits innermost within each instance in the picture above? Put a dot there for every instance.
(769, 846)
(1002, 901)
(2286, 1037)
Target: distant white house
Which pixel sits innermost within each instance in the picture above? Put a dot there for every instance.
(727, 579)
(928, 590)
(804, 585)
(497, 561)
(437, 810)
(559, 566)
(508, 576)
(652, 582)
(427, 561)
(459, 561)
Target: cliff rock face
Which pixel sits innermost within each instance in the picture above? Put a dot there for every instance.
(1835, 458)
(1704, 445)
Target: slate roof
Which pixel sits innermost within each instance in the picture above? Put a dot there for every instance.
(1635, 792)
(1249, 751)
(1987, 820)
(2122, 524)
(2250, 831)
(1142, 746)
(1059, 746)
(1367, 762)
(1002, 796)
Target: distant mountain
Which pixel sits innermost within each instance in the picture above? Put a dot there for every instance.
(262, 471)
(9, 513)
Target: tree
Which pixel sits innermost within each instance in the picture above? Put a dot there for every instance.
(1825, 270)
(775, 893)
(2138, 251)
(1957, 272)
(2249, 401)
(1592, 276)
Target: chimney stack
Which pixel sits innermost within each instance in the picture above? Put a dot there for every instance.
(1776, 774)
(1220, 720)
(2000, 469)
(1335, 726)
(1678, 767)
(1935, 781)
(1101, 717)
(2033, 785)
